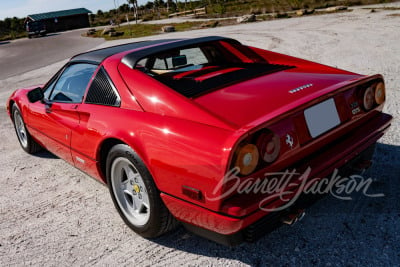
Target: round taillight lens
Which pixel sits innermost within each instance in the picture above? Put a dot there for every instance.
(269, 145)
(368, 98)
(247, 159)
(380, 93)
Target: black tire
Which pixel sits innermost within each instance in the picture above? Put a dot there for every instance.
(25, 139)
(152, 218)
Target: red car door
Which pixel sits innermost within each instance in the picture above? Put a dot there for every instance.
(102, 100)
(52, 125)
(52, 120)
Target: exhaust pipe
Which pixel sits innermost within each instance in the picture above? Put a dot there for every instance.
(292, 218)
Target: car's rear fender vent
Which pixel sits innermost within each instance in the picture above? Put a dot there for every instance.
(102, 91)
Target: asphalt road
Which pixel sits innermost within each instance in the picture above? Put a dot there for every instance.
(23, 55)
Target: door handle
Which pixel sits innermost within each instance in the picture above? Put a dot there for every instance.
(47, 105)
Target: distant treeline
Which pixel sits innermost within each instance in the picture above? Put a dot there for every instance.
(11, 28)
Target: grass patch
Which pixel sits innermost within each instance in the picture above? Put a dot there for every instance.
(13, 35)
(142, 30)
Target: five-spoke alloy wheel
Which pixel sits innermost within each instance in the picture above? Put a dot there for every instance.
(130, 191)
(135, 194)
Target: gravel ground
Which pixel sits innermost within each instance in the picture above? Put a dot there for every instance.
(53, 214)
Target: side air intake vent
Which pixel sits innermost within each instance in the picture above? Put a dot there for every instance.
(102, 91)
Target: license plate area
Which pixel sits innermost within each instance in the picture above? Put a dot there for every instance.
(321, 117)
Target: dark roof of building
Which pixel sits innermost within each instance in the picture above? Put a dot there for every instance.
(143, 49)
(59, 14)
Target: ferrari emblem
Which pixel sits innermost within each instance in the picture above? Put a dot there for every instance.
(289, 140)
(136, 188)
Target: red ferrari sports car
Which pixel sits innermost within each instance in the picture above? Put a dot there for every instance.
(186, 130)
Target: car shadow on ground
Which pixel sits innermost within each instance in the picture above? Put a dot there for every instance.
(4, 42)
(363, 230)
(45, 154)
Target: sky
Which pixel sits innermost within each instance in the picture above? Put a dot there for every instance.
(22, 8)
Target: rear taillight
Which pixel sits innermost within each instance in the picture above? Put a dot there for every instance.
(246, 159)
(380, 93)
(368, 98)
(269, 146)
(259, 149)
(373, 95)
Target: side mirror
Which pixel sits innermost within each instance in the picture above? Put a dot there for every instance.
(35, 95)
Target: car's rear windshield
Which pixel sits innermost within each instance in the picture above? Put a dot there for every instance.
(198, 69)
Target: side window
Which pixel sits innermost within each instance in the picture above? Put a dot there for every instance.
(49, 88)
(102, 91)
(50, 85)
(71, 85)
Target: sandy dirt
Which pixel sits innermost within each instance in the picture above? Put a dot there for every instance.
(53, 214)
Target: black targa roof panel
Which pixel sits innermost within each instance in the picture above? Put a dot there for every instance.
(133, 58)
(143, 49)
(97, 56)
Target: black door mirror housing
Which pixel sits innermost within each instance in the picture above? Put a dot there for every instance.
(35, 95)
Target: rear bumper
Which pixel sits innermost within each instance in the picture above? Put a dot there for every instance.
(220, 227)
